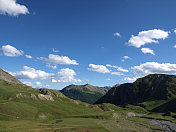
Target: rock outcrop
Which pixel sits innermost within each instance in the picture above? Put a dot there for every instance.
(9, 78)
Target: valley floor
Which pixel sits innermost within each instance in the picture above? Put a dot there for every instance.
(116, 124)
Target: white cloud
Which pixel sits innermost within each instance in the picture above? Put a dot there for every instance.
(117, 34)
(28, 56)
(108, 65)
(118, 68)
(174, 46)
(154, 67)
(12, 8)
(128, 79)
(11, 51)
(108, 79)
(55, 51)
(54, 80)
(150, 36)
(126, 57)
(56, 59)
(66, 75)
(36, 85)
(122, 70)
(147, 50)
(28, 83)
(50, 66)
(175, 31)
(104, 69)
(116, 73)
(98, 68)
(31, 73)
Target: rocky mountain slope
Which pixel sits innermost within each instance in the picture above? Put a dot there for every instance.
(86, 93)
(7, 77)
(157, 89)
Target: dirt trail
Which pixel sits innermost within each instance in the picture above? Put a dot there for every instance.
(168, 126)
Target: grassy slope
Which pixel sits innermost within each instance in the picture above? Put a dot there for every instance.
(63, 114)
(86, 93)
(25, 108)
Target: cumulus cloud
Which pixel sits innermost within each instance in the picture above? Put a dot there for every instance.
(31, 73)
(103, 69)
(122, 70)
(50, 66)
(11, 51)
(99, 68)
(118, 68)
(175, 31)
(36, 85)
(117, 34)
(130, 79)
(154, 67)
(150, 36)
(56, 59)
(28, 56)
(174, 46)
(66, 75)
(12, 8)
(126, 57)
(147, 50)
(108, 65)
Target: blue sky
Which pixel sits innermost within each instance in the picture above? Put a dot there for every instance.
(101, 42)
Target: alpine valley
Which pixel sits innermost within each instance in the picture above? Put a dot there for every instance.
(143, 106)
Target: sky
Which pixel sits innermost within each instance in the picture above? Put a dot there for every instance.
(56, 43)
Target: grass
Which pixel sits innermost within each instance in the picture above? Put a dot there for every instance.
(149, 105)
(65, 115)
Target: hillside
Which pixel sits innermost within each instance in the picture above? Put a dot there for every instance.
(23, 108)
(7, 77)
(86, 93)
(150, 92)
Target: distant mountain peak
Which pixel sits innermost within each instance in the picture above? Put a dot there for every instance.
(86, 93)
(87, 84)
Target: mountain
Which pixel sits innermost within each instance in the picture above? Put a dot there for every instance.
(107, 87)
(86, 93)
(24, 103)
(7, 77)
(151, 91)
(23, 108)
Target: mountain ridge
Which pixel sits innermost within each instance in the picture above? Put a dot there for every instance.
(8, 77)
(153, 87)
(86, 93)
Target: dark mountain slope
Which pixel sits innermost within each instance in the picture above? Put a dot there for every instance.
(86, 93)
(153, 87)
(166, 107)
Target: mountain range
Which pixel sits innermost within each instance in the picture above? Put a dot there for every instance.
(157, 91)
(145, 105)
